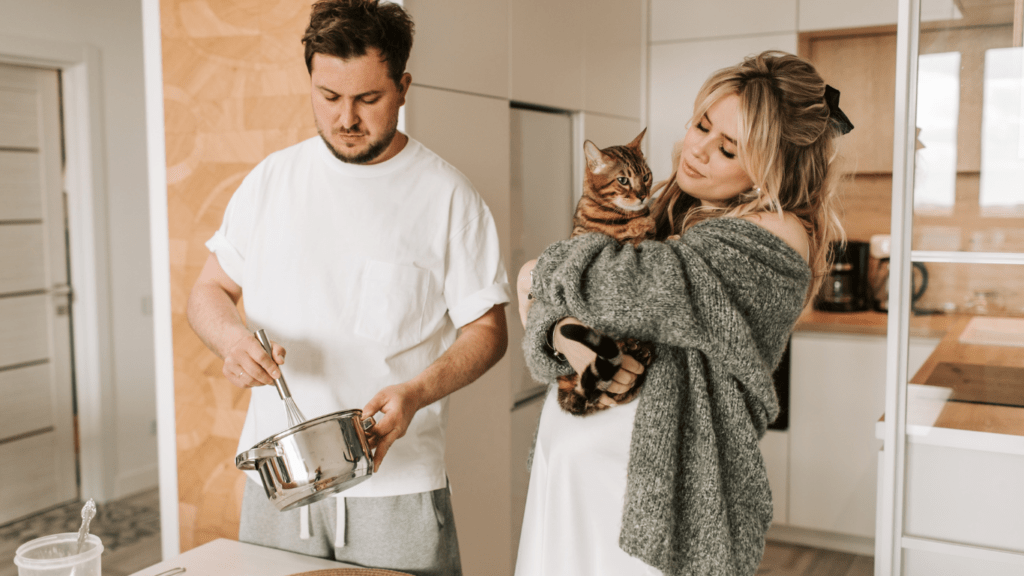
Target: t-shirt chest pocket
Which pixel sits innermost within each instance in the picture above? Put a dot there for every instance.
(392, 301)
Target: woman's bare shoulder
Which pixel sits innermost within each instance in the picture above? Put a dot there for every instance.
(785, 226)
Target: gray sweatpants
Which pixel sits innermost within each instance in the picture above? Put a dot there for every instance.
(412, 533)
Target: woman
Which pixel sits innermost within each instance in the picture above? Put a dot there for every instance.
(674, 483)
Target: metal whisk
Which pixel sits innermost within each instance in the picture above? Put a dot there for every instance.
(295, 417)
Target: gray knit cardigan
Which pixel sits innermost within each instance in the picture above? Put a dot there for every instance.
(719, 304)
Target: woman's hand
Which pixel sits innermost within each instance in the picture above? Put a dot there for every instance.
(623, 380)
(597, 354)
(524, 283)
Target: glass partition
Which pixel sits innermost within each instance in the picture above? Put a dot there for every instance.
(953, 461)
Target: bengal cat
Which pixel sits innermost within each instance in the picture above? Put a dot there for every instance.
(616, 201)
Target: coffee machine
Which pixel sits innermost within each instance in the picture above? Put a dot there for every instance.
(846, 288)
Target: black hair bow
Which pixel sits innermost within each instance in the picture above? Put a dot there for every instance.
(834, 113)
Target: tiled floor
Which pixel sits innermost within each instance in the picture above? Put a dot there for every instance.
(130, 532)
(129, 529)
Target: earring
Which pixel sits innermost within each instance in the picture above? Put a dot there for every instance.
(756, 190)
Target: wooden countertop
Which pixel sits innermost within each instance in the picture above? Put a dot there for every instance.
(872, 323)
(223, 557)
(927, 389)
(929, 403)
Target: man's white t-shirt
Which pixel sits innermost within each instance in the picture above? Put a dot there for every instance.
(363, 273)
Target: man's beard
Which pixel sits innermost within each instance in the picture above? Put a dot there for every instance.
(375, 149)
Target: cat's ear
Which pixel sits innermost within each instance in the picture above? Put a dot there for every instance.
(596, 160)
(635, 144)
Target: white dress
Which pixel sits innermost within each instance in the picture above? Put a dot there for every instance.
(577, 489)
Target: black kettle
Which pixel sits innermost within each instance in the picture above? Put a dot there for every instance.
(880, 290)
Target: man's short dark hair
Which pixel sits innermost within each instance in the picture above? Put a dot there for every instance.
(349, 28)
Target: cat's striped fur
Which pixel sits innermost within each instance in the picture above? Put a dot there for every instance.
(616, 193)
(616, 201)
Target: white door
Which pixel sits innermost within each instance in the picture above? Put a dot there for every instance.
(542, 208)
(37, 445)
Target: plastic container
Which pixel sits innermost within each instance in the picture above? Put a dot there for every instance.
(55, 556)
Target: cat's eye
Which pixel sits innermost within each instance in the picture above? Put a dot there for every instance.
(647, 177)
(623, 180)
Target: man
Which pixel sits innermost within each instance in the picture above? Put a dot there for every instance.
(376, 265)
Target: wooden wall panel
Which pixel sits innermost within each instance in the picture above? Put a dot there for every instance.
(863, 68)
(235, 90)
(861, 63)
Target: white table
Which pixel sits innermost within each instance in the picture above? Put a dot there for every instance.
(231, 558)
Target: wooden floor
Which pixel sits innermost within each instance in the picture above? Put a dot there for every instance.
(791, 560)
(128, 528)
(130, 532)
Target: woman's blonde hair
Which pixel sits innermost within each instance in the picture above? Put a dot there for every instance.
(786, 144)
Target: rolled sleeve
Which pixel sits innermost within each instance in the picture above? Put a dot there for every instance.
(229, 258)
(475, 279)
(230, 243)
(476, 305)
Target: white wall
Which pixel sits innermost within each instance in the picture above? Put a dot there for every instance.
(112, 30)
(690, 40)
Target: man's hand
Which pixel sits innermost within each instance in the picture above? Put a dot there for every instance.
(479, 345)
(247, 364)
(213, 314)
(398, 404)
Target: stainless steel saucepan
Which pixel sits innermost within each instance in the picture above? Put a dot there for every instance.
(312, 460)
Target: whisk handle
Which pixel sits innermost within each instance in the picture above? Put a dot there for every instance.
(282, 387)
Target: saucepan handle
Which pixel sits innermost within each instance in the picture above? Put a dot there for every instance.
(247, 460)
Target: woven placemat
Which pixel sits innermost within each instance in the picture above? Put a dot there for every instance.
(352, 572)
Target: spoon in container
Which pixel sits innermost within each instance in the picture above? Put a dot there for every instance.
(295, 417)
(88, 512)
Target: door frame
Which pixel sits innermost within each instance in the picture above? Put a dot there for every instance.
(159, 241)
(85, 184)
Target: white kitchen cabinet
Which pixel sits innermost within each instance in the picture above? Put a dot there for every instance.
(834, 14)
(525, 418)
(542, 205)
(675, 20)
(837, 394)
(472, 133)
(775, 451)
(830, 14)
(930, 563)
(677, 72)
(966, 492)
(546, 45)
(609, 131)
(967, 495)
(614, 50)
(461, 45)
(578, 54)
